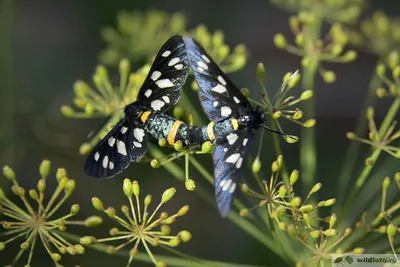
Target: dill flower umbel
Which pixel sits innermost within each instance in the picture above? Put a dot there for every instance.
(32, 225)
(141, 226)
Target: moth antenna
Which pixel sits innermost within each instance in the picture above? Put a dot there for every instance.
(280, 132)
(98, 127)
(260, 145)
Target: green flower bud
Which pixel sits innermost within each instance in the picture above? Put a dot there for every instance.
(280, 40)
(71, 250)
(85, 148)
(190, 185)
(391, 230)
(306, 208)
(295, 202)
(351, 136)
(113, 231)
(33, 194)
(358, 251)
(294, 176)
(260, 72)
(55, 257)
(381, 92)
(155, 164)
(291, 229)
(161, 264)
(79, 249)
(305, 62)
(44, 168)
(61, 173)
(332, 220)
(256, 166)
(9, 173)
(165, 229)
(294, 24)
(369, 162)
(178, 145)
(347, 232)
(185, 236)
(167, 195)
(75, 209)
(183, 210)
(350, 56)
(309, 123)
(306, 17)
(245, 188)
(41, 186)
(380, 70)
(135, 188)
(291, 139)
(80, 103)
(282, 226)
(67, 111)
(97, 204)
(330, 232)
(244, 212)
(297, 115)
(307, 219)
(276, 115)
(300, 39)
(147, 200)
(393, 59)
(80, 88)
(111, 250)
(24, 246)
(396, 72)
(329, 76)
(386, 183)
(174, 242)
(282, 191)
(70, 186)
(87, 240)
(321, 204)
(382, 229)
(306, 95)
(110, 211)
(370, 113)
(245, 92)
(337, 49)
(2, 246)
(18, 190)
(315, 233)
(127, 187)
(397, 177)
(169, 220)
(177, 112)
(316, 188)
(93, 221)
(330, 202)
(89, 109)
(125, 209)
(275, 166)
(206, 147)
(124, 66)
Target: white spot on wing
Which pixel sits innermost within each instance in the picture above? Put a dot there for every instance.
(166, 53)
(166, 99)
(164, 83)
(232, 137)
(105, 162)
(225, 149)
(111, 141)
(215, 103)
(225, 111)
(137, 144)
(233, 158)
(148, 93)
(233, 187)
(227, 185)
(239, 163)
(173, 61)
(124, 129)
(138, 133)
(111, 165)
(221, 80)
(178, 66)
(202, 65)
(237, 101)
(155, 75)
(206, 58)
(200, 69)
(96, 156)
(121, 148)
(219, 89)
(221, 184)
(157, 104)
(245, 141)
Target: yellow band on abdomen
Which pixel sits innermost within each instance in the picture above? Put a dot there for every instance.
(145, 116)
(173, 131)
(210, 131)
(235, 124)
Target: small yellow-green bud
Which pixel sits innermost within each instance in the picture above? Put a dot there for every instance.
(97, 204)
(124, 66)
(71, 250)
(397, 155)
(347, 232)
(337, 49)
(169, 220)
(127, 187)
(282, 226)
(206, 147)
(275, 166)
(350, 56)
(44, 168)
(93, 221)
(295, 202)
(87, 240)
(330, 202)
(167, 195)
(306, 17)
(256, 166)
(9, 173)
(178, 145)
(165, 229)
(79, 249)
(378, 219)
(185, 236)
(24, 246)
(177, 112)
(110, 211)
(391, 230)
(291, 139)
(315, 233)
(41, 186)
(62, 250)
(63, 182)
(89, 109)
(306, 95)
(245, 92)
(80, 88)
(85, 148)
(299, 40)
(294, 24)
(307, 219)
(55, 256)
(125, 209)
(369, 162)
(280, 211)
(397, 177)
(111, 250)
(245, 188)
(279, 159)
(182, 211)
(18, 190)
(67, 111)
(332, 220)
(244, 212)
(330, 232)
(282, 191)
(291, 229)
(260, 72)
(161, 264)
(381, 92)
(33, 194)
(316, 188)
(113, 231)
(306, 208)
(276, 115)
(135, 188)
(190, 185)
(174, 242)
(70, 186)
(309, 123)
(2, 246)
(147, 200)
(294, 176)
(386, 183)
(155, 164)
(75, 209)
(162, 142)
(321, 204)
(329, 76)
(280, 40)
(305, 62)
(393, 59)
(380, 70)
(382, 229)
(298, 115)
(351, 136)
(358, 250)
(370, 113)
(61, 173)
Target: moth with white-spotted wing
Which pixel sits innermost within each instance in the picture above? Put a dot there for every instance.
(221, 101)
(127, 141)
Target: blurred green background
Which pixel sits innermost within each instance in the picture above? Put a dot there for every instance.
(46, 45)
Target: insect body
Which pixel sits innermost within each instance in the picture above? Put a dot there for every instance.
(222, 101)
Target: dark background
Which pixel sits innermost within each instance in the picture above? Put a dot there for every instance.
(53, 43)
